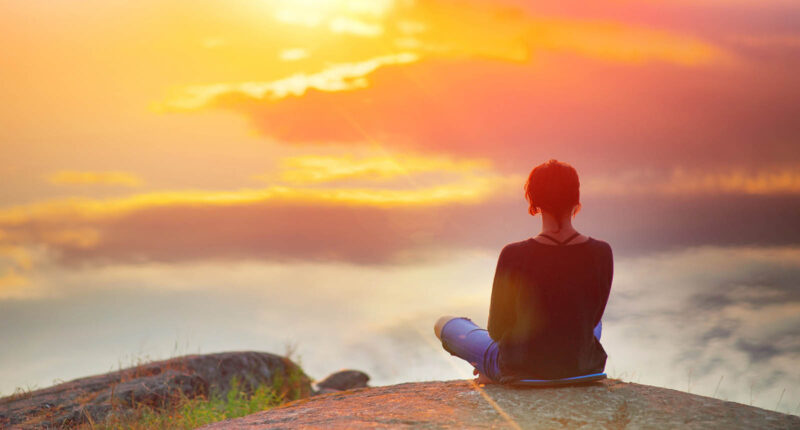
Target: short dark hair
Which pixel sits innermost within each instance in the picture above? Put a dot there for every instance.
(554, 187)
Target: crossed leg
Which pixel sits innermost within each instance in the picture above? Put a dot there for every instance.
(466, 340)
(469, 342)
(437, 328)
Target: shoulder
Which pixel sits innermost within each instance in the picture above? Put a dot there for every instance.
(603, 246)
(511, 252)
(514, 247)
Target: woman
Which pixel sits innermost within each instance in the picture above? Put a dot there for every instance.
(548, 296)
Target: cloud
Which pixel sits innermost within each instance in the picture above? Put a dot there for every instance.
(604, 91)
(339, 77)
(377, 208)
(293, 54)
(724, 3)
(476, 76)
(310, 169)
(466, 188)
(615, 41)
(79, 238)
(278, 232)
(71, 177)
(442, 29)
(384, 208)
(224, 306)
(760, 351)
(503, 32)
(494, 30)
(604, 118)
(682, 319)
(367, 210)
(341, 24)
(656, 328)
(231, 227)
(780, 41)
(681, 181)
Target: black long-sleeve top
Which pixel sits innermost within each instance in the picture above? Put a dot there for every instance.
(546, 301)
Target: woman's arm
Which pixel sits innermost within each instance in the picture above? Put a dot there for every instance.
(502, 313)
(604, 294)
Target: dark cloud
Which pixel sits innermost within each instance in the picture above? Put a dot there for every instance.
(641, 224)
(712, 302)
(365, 235)
(758, 350)
(634, 226)
(723, 330)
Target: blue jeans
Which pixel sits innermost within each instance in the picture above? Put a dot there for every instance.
(462, 338)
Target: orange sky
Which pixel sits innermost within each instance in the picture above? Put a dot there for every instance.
(286, 120)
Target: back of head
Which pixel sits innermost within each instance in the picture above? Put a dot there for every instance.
(553, 187)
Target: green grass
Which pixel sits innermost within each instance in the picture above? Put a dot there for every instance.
(191, 413)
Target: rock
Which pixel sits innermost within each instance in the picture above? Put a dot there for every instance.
(344, 380)
(609, 404)
(157, 384)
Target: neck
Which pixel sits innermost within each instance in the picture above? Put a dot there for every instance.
(550, 224)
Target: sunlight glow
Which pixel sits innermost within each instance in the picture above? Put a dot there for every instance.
(470, 189)
(341, 15)
(310, 169)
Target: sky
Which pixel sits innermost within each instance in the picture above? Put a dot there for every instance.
(330, 176)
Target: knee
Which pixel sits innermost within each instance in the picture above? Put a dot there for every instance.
(437, 328)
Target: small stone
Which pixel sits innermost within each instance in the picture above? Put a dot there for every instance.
(344, 380)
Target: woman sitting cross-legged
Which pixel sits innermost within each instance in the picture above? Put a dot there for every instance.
(548, 295)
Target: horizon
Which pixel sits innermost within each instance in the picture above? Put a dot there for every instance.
(334, 175)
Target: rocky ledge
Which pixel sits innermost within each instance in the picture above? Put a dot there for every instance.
(156, 384)
(610, 404)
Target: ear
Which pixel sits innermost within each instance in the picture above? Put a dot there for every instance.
(576, 209)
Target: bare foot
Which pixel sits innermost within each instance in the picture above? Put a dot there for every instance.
(437, 328)
(482, 379)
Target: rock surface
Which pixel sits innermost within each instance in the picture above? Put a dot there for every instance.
(609, 404)
(156, 384)
(344, 380)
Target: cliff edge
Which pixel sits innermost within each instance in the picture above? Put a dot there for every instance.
(609, 404)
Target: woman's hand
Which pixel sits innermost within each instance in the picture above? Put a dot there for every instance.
(481, 379)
